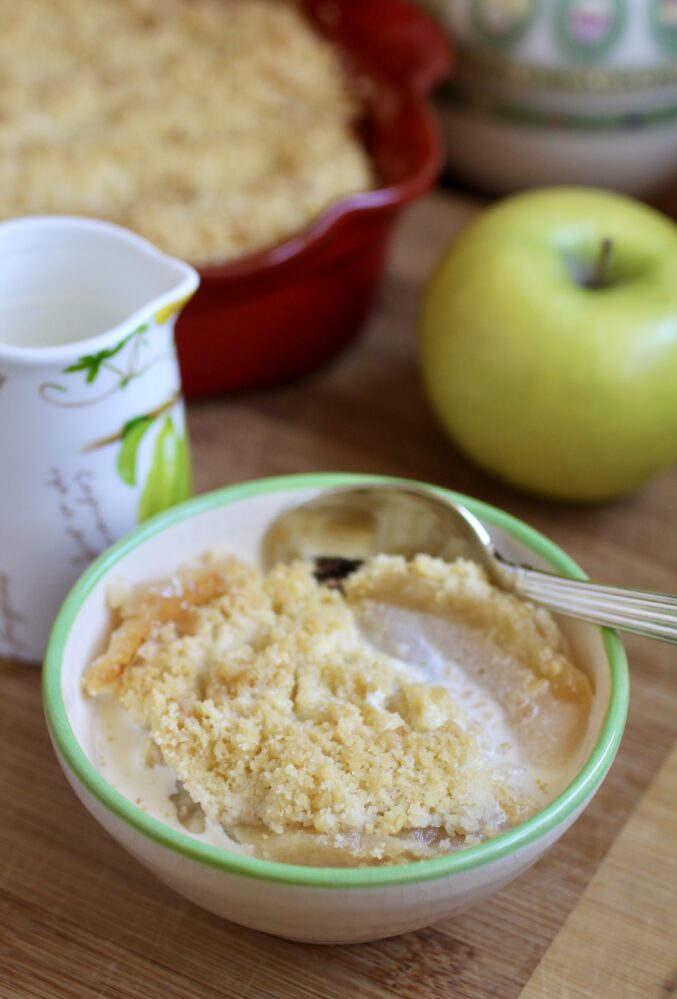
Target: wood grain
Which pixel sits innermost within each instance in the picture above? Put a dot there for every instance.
(621, 938)
(79, 918)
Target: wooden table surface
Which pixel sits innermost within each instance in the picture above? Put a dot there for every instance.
(595, 919)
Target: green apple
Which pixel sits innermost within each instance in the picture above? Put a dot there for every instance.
(548, 342)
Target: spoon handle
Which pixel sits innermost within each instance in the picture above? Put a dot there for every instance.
(642, 612)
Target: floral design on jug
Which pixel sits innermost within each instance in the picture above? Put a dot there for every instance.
(108, 361)
(168, 479)
(172, 310)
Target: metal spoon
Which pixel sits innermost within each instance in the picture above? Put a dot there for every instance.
(342, 527)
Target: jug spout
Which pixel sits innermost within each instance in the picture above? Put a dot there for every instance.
(67, 280)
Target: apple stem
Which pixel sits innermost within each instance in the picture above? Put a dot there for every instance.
(599, 273)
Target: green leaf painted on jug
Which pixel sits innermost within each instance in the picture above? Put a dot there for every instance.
(169, 478)
(92, 364)
(132, 435)
(184, 479)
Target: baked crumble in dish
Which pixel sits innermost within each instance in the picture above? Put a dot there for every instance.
(417, 711)
(214, 128)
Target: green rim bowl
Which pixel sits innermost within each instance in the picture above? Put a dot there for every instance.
(178, 858)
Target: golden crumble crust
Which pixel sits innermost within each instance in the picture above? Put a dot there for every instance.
(278, 715)
(214, 128)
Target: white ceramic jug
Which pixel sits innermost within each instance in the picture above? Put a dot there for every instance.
(92, 430)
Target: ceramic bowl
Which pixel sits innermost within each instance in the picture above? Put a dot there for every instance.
(322, 905)
(279, 313)
(562, 92)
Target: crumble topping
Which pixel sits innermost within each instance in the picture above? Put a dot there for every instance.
(214, 128)
(280, 718)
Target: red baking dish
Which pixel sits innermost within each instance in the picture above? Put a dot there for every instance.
(277, 314)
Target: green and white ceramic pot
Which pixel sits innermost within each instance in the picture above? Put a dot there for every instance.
(562, 91)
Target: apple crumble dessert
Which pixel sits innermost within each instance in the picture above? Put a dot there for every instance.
(416, 712)
(214, 128)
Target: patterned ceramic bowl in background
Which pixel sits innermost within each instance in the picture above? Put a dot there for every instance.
(562, 91)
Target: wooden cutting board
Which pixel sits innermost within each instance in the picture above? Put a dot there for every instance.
(595, 919)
